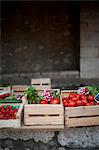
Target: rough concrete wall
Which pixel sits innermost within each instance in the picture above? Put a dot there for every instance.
(38, 37)
(89, 40)
(71, 138)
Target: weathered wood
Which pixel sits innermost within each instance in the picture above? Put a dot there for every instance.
(81, 115)
(44, 114)
(13, 123)
(82, 111)
(65, 93)
(5, 89)
(85, 121)
(18, 89)
(41, 83)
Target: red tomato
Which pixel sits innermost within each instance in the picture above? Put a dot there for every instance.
(84, 101)
(65, 104)
(64, 99)
(43, 101)
(88, 104)
(77, 96)
(90, 98)
(55, 101)
(79, 103)
(74, 99)
(71, 104)
(91, 103)
(83, 97)
(71, 95)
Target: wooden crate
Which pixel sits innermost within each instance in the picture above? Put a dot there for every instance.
(81, 115)
(13, 123)
(41, 83)
(18, 89)
(44, 115)
(5, 89)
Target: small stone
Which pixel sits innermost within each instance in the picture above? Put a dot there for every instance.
(6, 148)
(61, 148)
(27, 148)
(43, 136)
(8, 143)
(86, 137)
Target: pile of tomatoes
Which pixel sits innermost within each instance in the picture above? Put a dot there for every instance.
(51, 101)
(74, 100)
(8, 112)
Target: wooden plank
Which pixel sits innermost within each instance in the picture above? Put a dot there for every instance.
(81, 111)
(77, 122)
(41, 83)
(5, 89)
(37, 120)
(19, 89)
(14, 123)
(36, 128)
(18, 114)
(42, 109)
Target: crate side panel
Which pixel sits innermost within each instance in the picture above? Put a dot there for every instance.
(44, 120)
(76, 122)
(43, 109)
(13, 123)
(81, 111)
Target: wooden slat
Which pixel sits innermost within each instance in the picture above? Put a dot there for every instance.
(37, 120)
(5, 89)
(76, 122)
(35, 128)
(19, 115)
(41, 83)
(81, 111)
(12, 123)
(43, 109)
(19, 89)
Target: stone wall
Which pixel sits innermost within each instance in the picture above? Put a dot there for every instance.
(39, 37)
(89, 40)
(71, 138)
